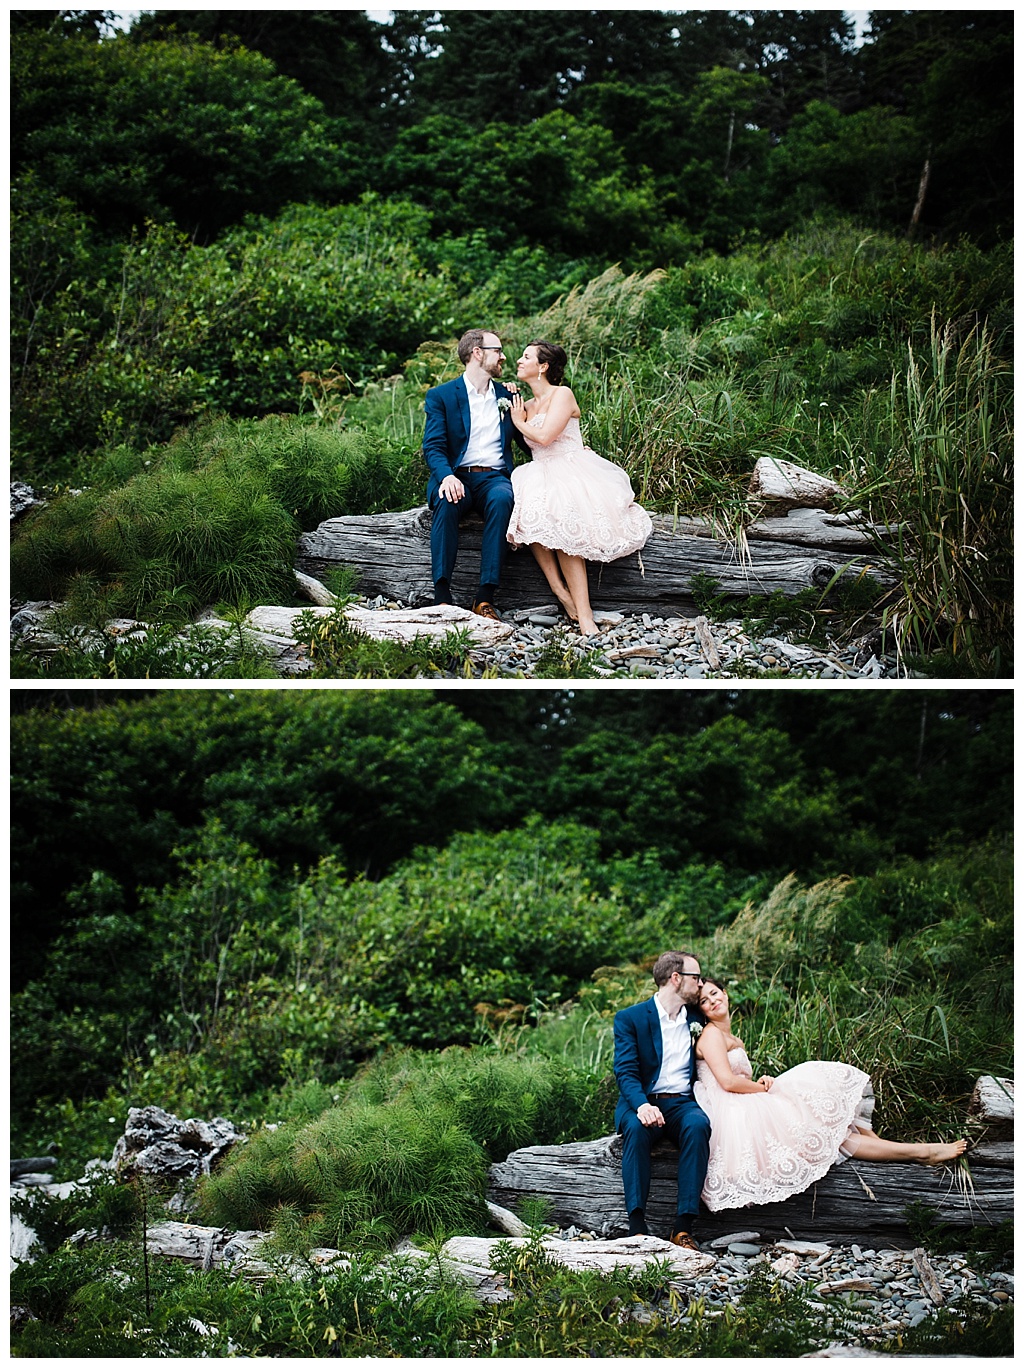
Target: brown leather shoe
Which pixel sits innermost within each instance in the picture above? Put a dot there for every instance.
(487, 610)
(685, 1241)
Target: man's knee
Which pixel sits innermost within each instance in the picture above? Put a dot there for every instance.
(633, 1130)
(695, 1122)
(497, 494)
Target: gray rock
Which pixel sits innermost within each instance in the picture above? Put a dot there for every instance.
(23, 498)
(157, 1143)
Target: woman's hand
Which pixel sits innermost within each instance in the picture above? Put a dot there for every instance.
(518, 410)
(765, 1081)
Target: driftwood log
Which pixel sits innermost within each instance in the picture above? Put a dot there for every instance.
(992, 1103)
(391, 552)
(583, 1183)
(241, 1253)
(43, 1164)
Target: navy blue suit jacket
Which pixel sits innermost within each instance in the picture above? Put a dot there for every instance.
(446, 434)
(638, 1053)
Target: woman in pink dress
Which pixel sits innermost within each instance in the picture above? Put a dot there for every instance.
(571, 505)
(774, 1137)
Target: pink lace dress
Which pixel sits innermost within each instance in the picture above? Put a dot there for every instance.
(570, 499)
(767, 1146)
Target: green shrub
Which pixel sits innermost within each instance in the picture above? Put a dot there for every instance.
(360, 1174)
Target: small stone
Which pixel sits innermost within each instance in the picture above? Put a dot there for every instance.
(739, 1237)
(747, 1251)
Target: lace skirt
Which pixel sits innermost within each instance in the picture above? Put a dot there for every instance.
(579, 503)
(766, 1147)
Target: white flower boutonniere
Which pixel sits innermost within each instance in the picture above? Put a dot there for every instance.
(696, 1027)
(504, 405)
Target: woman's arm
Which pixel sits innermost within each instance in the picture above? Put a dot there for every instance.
(563, 406)
(711, 1048)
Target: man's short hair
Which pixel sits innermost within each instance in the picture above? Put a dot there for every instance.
(469, 340)
(671, 962)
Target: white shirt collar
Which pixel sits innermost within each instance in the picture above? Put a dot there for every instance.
(474, 393)
(663, 1012)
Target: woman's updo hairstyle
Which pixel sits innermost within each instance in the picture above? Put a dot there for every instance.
(551, 355)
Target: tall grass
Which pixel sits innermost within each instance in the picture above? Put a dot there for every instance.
(932, 458)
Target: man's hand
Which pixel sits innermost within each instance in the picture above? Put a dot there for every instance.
(650, 1115)
(451, 488)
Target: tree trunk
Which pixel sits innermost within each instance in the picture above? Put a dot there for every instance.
(922, 190)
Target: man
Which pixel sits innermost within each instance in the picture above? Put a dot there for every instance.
(655, 1063)
(467, 444)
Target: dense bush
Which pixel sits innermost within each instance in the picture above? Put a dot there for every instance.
(671, 780)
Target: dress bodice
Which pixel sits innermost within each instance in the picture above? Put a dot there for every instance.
(568, 442)
(738, 1062)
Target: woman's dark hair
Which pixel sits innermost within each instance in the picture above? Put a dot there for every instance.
(551, 355)
(716, 983)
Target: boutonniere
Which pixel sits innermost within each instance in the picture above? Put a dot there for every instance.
(696, 1027)
(504, 405)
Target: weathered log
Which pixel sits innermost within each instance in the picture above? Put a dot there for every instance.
(435, 621)
(791, 486)
(242, 1254)
(583, 1183)
(40, 1165)
(391, 552)
(992, 1100)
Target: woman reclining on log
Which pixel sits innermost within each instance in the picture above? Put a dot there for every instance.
(774, 1137)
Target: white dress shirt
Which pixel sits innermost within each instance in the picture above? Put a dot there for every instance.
(486, 447)
(674, 1076)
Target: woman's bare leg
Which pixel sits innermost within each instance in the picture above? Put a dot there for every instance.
(868, 1145)
(548, 562)
(574, 568)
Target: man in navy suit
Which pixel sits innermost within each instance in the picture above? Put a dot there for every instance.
(655, 1064)
(467, 444)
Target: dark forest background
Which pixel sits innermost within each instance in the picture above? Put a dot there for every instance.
(707, 125)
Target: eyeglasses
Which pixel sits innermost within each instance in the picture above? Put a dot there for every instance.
(689, 974)
(498, 349)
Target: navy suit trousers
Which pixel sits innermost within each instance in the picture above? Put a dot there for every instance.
(488, 493)
(688, 1127)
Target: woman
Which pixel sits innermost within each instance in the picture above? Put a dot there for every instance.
(571, 505)
(775, 1137)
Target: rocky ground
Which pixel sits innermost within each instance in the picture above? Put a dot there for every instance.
(884, 1290)
(676, 648)
(541, 643)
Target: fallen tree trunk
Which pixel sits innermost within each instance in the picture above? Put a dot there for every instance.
(583, 1182)
(391, 552)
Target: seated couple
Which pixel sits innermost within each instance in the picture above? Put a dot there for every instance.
(742, 1142)
(568, 504)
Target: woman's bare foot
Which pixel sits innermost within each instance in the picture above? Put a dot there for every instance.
(568, 607)
(588, 626)
(941, 1154)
